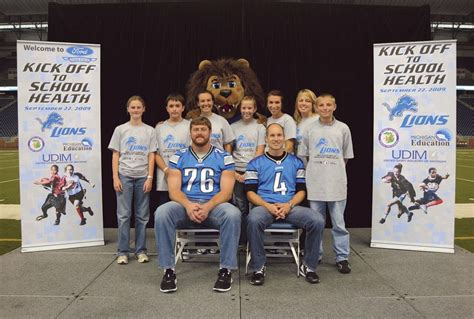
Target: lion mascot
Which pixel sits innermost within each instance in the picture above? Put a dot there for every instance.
(229, 80)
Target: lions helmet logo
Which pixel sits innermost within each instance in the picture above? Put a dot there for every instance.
(404, 104)
(53, 119)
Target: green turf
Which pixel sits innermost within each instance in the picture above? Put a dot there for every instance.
(8, 246)
(465, 176)
(9, 229)
(9, 172)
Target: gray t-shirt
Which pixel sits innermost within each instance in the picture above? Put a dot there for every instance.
(134, 143)
(302, 127)
(247, 137)
(221, 132)
(326, 147)
(171, 137)
(289, 125)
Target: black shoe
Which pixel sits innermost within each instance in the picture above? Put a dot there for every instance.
(400, 214)
(258, 277)
(83, 221)
(224, 280)
(89, 210)
(382, 220)
(410, 216)
(56, 222)
(343, 266)
(169, 281)
(310, 275)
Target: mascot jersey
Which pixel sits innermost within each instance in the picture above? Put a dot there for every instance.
(275, 179)
(201, 176)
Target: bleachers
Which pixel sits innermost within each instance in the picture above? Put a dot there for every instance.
(465, 116)
(8, 117)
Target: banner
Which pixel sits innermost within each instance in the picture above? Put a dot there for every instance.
(414, 146)
(59, 145)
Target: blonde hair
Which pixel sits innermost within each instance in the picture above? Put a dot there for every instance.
(297, 115)
(326, 95)
(135, 98)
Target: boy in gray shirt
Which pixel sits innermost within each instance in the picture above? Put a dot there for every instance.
(328, 146)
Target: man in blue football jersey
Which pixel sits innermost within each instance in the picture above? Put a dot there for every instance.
(200, 182)
(275, 185)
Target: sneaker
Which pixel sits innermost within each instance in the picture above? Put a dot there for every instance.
(142, 258)
(343, 266)
(310, 275)
(382, 220)
(258, 277)
(410, 216)
(56, 222)
(83, 221)
(169, 281)
(212, 251)
(400, 213)
(90, 211)
(201, 251)
(122, 260)
(185, 254)
(224, 280)
(424, 209)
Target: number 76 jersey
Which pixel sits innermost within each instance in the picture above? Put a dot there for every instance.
(275, 179)
(201, 176)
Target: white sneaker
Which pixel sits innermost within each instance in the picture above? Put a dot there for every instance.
(424, 209)
(142, 258)
(122, 260)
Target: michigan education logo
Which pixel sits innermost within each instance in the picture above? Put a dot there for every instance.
(35, 144)
(388, 137)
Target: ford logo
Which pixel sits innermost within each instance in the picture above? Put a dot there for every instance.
(79, 51)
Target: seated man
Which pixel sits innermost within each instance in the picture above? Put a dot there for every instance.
(200, 182)
(275, 184)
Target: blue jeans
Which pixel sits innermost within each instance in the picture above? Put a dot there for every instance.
(240, 200)
(303, 217)
(172, 215)
(340, 235)
(132, 188)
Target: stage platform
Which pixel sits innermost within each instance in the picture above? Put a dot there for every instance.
(87, 283)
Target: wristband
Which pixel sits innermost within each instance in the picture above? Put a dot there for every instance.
(291, 205)
(149, 177)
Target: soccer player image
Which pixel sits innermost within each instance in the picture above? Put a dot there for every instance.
(429, 186)
(54, 199)
(401, 187)
(76, 192)
(200, 182)
(275, 185)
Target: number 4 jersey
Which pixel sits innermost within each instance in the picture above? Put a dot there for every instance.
(201, 176)
(276, 179)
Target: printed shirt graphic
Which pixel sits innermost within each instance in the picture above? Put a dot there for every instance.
(201, 177)
(171, 137)
(75, 180)
(326, 147)
(276, 180)
(302, 127)
(134, 143)
(247, 137)
(221, 133)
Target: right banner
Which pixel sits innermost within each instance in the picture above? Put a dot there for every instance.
(414, 140)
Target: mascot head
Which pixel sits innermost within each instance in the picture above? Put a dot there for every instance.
(229, 81)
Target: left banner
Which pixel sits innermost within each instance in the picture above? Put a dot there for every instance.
(59, 145)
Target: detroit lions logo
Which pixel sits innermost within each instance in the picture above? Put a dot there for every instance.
(322, 142)
(131, 141)
(405, 103)
(169, 138)
(53, 119)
